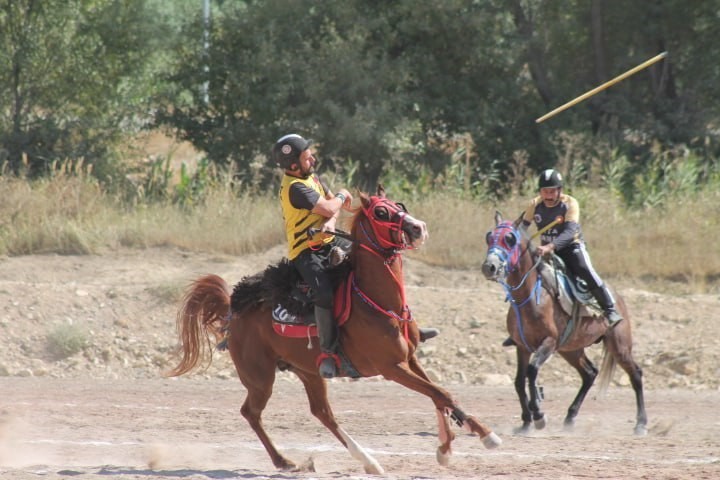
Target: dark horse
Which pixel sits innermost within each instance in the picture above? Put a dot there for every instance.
(379, 338)
(540, 325)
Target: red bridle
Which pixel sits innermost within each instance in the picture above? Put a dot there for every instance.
(387, 228)
(386, 240)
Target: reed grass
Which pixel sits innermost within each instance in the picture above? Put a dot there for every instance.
(676, 242)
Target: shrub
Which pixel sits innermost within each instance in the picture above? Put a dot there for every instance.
(66, 340)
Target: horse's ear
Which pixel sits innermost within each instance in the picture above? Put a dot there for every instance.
(519, 220)
(380, 191)
(498, 217)
(364, 199)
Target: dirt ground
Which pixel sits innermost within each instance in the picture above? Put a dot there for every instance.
(108, 412)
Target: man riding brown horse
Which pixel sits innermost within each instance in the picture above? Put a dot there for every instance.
(307, 202)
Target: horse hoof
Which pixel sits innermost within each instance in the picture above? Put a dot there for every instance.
(491, 441)
(569, 424)
(374, 468)
(640, 430)
(524, 430)
(443, 458)
(540, 423)
(288, 466)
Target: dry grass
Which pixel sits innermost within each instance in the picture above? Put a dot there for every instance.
(70, 215)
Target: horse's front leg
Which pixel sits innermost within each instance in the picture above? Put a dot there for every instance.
(523, 359)
(445, 434)
(316, 390)
(403, 374)
(537, 360)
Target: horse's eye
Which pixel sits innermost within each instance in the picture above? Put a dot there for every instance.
(402, 206)
(382, 213)
(510, 239)
(488, 238)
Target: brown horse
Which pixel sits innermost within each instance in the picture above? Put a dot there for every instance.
(540, 325)
(380, 337)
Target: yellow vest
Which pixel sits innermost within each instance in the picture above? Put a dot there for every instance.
(298, 220)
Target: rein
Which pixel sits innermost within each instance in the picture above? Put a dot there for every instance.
(505, 255)
(388, 256)
(312, 231)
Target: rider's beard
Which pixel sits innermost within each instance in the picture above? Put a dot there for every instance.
(307, 172)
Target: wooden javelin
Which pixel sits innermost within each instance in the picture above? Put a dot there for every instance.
(602, 87)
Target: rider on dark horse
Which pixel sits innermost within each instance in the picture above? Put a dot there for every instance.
(565, 238)
(307, 202)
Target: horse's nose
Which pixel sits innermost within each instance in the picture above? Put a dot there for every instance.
(419, 230)
(489, 270)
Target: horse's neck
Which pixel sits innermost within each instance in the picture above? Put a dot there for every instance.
(381, 281)
(521, 275)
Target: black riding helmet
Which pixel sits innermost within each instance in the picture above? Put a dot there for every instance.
(287, 150)
(550, 179)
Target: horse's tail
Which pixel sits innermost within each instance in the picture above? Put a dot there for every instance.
(204, 310)
(606, 370)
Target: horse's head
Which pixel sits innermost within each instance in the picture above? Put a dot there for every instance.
(504, 246)
(386, 225)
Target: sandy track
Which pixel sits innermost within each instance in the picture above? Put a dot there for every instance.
(106, 412)
(191, 428)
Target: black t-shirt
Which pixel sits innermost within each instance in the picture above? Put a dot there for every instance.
(302, 196)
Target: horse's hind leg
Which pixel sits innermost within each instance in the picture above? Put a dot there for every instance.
(619, 349)
(255, 402)
(587, 372)
(258, 380)
(316, 390)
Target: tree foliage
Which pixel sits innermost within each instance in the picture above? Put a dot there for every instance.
(419, 88)
(76, 78)
(392, 84)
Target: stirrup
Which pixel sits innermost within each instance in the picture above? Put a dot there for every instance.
(509, 342)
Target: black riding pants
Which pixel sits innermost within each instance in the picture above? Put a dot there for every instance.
(312, 265)
(577, 260)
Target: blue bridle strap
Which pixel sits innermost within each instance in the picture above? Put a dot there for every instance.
(504, 256)
(516, 306)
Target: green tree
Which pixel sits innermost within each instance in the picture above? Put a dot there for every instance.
(76, 77)
(572, 46)
(354, 74)
(398, 83)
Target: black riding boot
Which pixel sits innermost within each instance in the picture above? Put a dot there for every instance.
(328, 336)
(606, 302)
(427, 333)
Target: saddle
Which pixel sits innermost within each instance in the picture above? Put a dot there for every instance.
(293, 299)
(570, 291)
